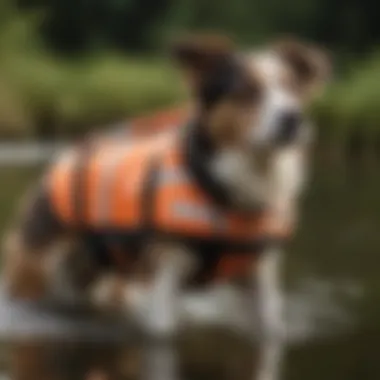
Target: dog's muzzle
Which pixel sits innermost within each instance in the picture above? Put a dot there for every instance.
(289, 126)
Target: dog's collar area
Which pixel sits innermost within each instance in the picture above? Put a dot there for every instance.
(198, 151)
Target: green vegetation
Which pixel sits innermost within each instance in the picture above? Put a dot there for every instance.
(47, 91)
(35, 91)
(42, 95)
(352, 103)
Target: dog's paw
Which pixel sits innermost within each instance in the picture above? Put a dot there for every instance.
(154, 320)
(157, 324)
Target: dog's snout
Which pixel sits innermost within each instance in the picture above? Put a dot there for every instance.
(288, 126)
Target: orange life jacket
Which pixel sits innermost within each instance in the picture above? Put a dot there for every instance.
(128, 192)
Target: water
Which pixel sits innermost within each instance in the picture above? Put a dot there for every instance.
(332, 277)
(315, 315)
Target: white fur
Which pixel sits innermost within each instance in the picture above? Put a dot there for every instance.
(236, 170)
(278, 185)
(285, 179)
(276, 101)
(277, 98)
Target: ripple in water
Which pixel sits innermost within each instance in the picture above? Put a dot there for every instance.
(315, 309)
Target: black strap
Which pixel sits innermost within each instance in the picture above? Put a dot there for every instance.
(148, 193)
(198, 149)
(79, 185)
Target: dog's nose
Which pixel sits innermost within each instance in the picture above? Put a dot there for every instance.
(288, 126)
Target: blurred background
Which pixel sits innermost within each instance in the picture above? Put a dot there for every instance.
(68, 66)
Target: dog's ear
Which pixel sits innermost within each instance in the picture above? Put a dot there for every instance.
(311, 65)
(198, 55)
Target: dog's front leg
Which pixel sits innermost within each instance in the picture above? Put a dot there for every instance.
(162, 319)
(269, 308)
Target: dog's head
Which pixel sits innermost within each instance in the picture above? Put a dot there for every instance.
(250, 103)
(292, 74)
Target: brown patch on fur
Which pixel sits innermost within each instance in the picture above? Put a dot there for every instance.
(28, 361)
(224, 86)
(36, 245)
(25, 245)
(23, 270)
(224, 126)
(201, 52)
(228, 120)
(30, 235)
(309, 63)
(199, 57)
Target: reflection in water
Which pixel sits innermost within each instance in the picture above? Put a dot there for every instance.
(333, 323)
(318, 312)
(319, 309)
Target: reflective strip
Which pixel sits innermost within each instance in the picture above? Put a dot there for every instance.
(188, 210)
(170, 176)
(198, 213)
(191, 211)
(66, 158)
(106, 181)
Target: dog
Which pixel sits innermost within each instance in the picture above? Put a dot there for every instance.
(212, 201)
